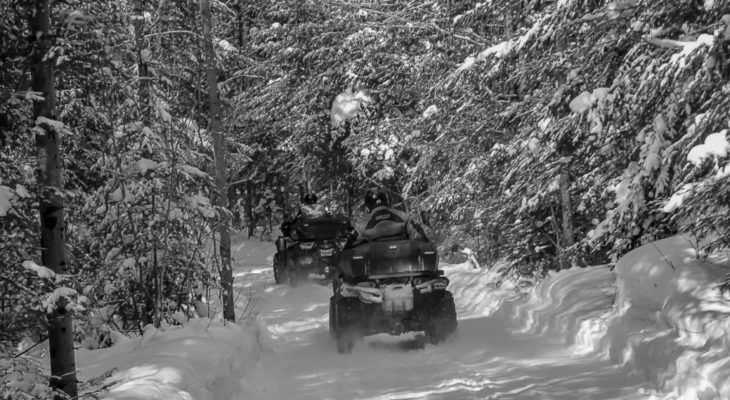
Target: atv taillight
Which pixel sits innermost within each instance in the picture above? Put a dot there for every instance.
(440, 283)
(306, 245)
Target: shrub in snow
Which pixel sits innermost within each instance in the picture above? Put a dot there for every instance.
(146, 229)
(21, 378)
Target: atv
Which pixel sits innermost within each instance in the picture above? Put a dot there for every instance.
(309, 248)
(390, 287)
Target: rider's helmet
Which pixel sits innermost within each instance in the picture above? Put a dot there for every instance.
(309, 198)
(376, 198)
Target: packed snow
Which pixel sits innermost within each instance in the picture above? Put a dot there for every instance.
(586, 100)
(41, 271)
(716, 144)
(5, 196)
(653, 327)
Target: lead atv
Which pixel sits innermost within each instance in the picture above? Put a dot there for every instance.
(309, 248)
(390, 287)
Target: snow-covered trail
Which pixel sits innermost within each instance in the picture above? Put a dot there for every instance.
(493, 357)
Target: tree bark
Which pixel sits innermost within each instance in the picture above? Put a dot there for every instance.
(50, 179)
(249, 208)
(221, 180)
(142, 70)
(564, 184)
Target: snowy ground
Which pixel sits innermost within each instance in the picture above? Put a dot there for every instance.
(651, 329)
(489, 359)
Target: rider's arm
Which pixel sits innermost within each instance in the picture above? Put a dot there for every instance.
(417, 230)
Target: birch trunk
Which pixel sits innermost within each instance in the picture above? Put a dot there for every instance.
(564, 184)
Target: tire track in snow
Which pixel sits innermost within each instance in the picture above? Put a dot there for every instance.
(489, 359)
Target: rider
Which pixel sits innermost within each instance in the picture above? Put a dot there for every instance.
(310, 208)
(383, 221)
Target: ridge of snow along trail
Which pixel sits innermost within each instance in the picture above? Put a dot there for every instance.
(654, 327)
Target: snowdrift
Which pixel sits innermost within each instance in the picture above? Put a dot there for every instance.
(570, 306)
(671, 322)
(204, 360)
(477, 292)
(659, 313)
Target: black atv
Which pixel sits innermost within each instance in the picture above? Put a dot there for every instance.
(309, 249)
(390, 287)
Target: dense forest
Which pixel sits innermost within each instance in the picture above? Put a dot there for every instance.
(136, 136)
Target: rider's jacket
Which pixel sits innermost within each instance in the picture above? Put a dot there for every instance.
(313, 210)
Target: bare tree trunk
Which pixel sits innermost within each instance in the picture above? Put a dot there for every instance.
(152, 312)
(350, 195)
(233, 203)
(249, 208)
(285, 199)
(143, 100)
(50, 179)
(564, 184)
(221, 181)
(279, 196)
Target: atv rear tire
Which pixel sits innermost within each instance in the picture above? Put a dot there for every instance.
(277, 268)
(440, 323)
(333, 326)
(345, 324)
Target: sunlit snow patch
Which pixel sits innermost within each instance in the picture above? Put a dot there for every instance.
(347, 105)
(570, 305)
(5, 196)
(477, 292)
(203, 360)
(716, 144)
(671, 323)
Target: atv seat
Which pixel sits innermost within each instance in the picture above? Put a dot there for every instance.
(391, 238)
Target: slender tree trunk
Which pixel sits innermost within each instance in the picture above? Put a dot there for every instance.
(50, 179)
(285, 199)
(249, 208)
(240, 24)
(232, 202)
(564, 185)
(279, 196)
(148, 277)
(348, 201)
(143, 100)
(219, 148)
